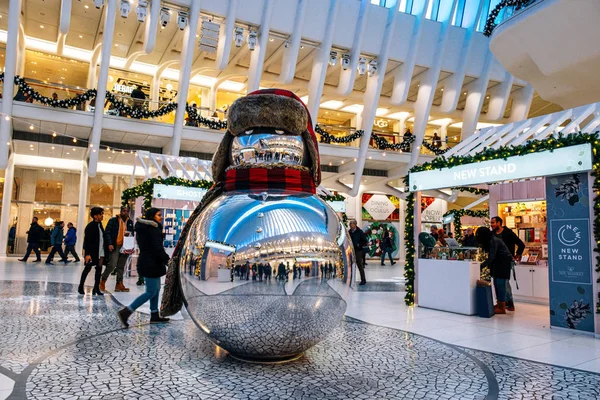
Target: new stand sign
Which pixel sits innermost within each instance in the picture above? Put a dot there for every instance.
(565, 160)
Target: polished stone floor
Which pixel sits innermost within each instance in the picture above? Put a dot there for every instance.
(56, 344)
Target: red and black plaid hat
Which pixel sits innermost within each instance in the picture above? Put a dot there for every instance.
(268, 108)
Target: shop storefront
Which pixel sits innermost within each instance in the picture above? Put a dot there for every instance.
(547, 199)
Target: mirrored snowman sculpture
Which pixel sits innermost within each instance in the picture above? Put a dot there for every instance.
(280, 248)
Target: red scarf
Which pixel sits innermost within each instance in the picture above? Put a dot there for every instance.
(263, 179)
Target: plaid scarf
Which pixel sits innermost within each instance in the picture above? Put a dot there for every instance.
(266, 179)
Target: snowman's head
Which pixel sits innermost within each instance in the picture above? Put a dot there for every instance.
(268, 127)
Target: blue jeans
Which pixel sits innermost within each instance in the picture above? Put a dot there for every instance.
(151, 293)
(387, 251)
(500, 287)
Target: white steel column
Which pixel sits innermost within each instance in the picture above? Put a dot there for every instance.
(20, 68)
(109, 30)
(10, 61)
(155, 89)
(499, 98)
(9, 174)
(453, 84)
(475, 99)
(65, 23)
(347, 77)
(151, 27)
(92, 78)
(521, 103)
(372, 94)
(257, 58)
(185, 69)
(320, 63)
(226, 37)
(290, 54)
(428, 85)
(81, 207)
(404, 73)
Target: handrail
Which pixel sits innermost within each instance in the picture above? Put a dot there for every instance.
(504, 11)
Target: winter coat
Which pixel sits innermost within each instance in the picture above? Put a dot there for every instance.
(71, 237)
(91, 241)
(511, 240)
(34, 234)
(153, 258)
(469, 241)
(359, 239)
(499, 259)
(112, 230)
(386, 243)
(57, 236)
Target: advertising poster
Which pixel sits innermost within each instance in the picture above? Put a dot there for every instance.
(570, 261)
(374, 232)
(380, 207)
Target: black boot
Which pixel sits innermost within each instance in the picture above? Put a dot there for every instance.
(84, 275)
(155, 318)
(140, 281)
(124, 315)
(97, 277)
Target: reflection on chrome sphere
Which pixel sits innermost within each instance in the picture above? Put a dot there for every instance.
(275, 256)
(267, 148)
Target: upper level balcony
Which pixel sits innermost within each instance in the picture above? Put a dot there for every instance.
(551, 44)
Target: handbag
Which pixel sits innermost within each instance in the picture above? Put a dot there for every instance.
(128, 246)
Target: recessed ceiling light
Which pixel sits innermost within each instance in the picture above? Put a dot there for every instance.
(86, 6)
(68, 153)
(80, 36)
(42, 26)
(62, 77)
(271, 39)
(30, 145)
(53, 147)
(116, 44)
(31, 127)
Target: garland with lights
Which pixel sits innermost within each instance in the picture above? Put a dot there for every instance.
(146, 189)
(337, 197)
(550, 144)
(458, 214)
(435, 150)
(490, 24)
(138, 113)
(479, 192)
(48, 101)
(200, 120)
(380, 142)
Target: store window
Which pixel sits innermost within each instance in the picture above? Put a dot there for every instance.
(49, 74)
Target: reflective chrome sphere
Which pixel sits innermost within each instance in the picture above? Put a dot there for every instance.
(266, 314)
(255, 148)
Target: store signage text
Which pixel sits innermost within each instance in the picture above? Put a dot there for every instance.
(380, 207)
(123, 88)
(178, 193)
(570, 250)
(565, 160)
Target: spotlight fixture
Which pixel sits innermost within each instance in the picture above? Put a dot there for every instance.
(362, 66)
(165, 16)
(142, 10)
(372, 67)
(98, 3)
(345, 61)
(287, 44)
(333, 58)
(125, 8)
(209, 36)
(252, 39)
(238, 36)
(182, 20)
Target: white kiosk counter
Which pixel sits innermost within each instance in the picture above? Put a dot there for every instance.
(448, 285)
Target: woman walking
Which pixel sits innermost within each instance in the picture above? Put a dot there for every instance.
(94, 249)
(151, 264)
(499, 261)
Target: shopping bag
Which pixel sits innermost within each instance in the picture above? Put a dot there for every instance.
(128, 246)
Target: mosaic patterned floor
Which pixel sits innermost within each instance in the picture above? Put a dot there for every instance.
(58, 345)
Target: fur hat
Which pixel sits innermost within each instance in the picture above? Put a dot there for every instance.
(268, 108)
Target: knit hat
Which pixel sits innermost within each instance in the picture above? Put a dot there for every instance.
(268, 108)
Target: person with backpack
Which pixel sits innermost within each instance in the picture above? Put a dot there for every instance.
(56, 241)
(151, 264)
(70, 240)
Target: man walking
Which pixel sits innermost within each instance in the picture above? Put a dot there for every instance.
(70, 240)
(511, 240)
(359, 240)
(34, 235)
(56, 241)
(117, 228)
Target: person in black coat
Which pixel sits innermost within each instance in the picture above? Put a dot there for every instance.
(94, 250)
(151, 264)
(359, 240)
(512, 241)
(34, 236)
(387, 246)
(469, 239)
(499, 261)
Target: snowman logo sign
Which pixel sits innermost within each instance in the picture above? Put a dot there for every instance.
(569, 235)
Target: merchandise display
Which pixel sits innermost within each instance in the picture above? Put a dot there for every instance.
(261, 218)
(528, 220)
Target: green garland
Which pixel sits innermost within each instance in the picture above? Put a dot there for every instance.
(457, 216)
(534, 146)
(479, 192)
(380, 142)
(146, 189)
(334, 197)
(409, 243)
(490, 23)
(435, 150)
